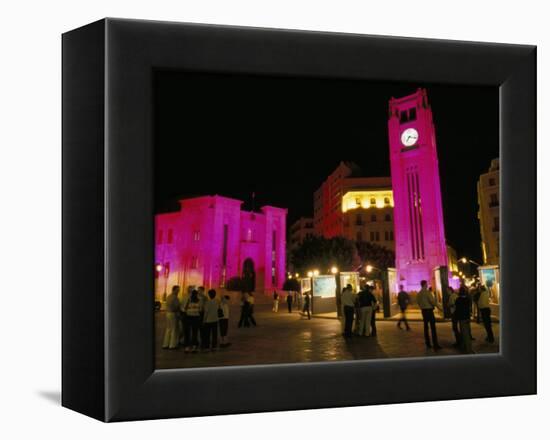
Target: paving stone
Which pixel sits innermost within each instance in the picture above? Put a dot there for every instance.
(289, 338)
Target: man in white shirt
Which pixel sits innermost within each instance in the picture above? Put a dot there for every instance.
(426, 303)
(348, 308)
(210, 322)
(485, 311)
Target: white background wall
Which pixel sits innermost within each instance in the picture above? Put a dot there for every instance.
(30, 214)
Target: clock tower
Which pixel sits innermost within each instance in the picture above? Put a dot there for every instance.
(420, 244)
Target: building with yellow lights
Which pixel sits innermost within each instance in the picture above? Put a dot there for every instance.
(488, 197)
(359, 208)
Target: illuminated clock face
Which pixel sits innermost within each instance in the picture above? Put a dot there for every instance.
(409, 137)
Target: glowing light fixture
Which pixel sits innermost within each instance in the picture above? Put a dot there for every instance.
(369, 268)
(316, 273)
(158, 267)
(334, 270)
(310, 274)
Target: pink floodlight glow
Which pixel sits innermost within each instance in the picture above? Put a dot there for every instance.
(208, 240)
(420, 244)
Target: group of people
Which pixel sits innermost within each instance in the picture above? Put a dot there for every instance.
(460, 306)
(195, 320)
(290, 301)
(360, 308)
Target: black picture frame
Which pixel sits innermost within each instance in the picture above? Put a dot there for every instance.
(108, 249)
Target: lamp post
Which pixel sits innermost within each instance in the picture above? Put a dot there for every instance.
(311, 274)
(386, 300)
(158, 271)
(468, 261)
(334, 270)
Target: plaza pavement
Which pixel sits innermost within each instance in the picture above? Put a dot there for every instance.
(288, 338)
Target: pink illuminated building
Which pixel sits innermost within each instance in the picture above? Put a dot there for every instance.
(208, 240)
(420, 244)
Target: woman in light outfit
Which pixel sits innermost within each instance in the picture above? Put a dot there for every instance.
(171, 334)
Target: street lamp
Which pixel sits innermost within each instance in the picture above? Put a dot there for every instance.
(468, 260)
(369, 268)
(311, 274)
(337, 281)
(160, 268)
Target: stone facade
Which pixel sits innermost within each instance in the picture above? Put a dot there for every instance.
(207, 242)
(488, 197)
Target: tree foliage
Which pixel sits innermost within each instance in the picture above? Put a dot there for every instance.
(291, 285)
(378, 256)
(321, 253)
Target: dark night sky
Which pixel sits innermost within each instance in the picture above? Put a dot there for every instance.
(280, 138)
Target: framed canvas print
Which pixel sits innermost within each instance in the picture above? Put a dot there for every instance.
(262, 220)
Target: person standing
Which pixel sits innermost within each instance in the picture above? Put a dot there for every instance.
(183, 327)
(365, 300)
(485, 312)
(251, 301)
(306, 308)
(243, 320)
(348, 307)
(210, 322)
(193, 313)
(403, 300)
(426, 303)
(202, 299)
(289, 302)
(454, 320)
(223, 315)
(275, 301)
(462, 313)
(171, 334)
(475, 298)
(375, 308)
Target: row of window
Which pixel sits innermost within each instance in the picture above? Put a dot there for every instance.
(372, 201)
(375, 236)
(373, 218)
(169, 236)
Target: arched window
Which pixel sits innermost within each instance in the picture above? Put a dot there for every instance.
(373, 201)
(387, 218)
(386, 200)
